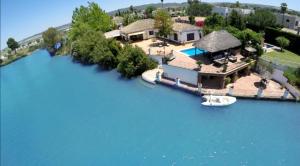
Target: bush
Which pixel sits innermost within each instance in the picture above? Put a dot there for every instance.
(133, 62)
(94, 48)
(293, 76)
(282, 42)
(227, 80)
(271, 34)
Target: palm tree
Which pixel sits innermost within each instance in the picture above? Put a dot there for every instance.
(283, 9)
(162, 3)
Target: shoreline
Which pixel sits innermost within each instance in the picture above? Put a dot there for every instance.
(196, 93)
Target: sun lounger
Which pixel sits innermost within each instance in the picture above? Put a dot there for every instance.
(221, 61)
(232, 58)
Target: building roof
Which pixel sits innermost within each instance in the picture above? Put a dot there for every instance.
(184, 27)
(112, 34)
(145, 24)
(138, 26)
(218, 41)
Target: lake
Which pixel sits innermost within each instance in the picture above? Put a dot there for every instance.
(58, 112)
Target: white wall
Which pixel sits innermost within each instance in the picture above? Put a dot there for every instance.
(146, 33)
(185, 75)
(183, 36)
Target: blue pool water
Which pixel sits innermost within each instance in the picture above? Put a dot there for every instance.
(56, 112)
(191, 52)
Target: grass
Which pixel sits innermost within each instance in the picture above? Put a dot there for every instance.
(285, 58)
(13, 57)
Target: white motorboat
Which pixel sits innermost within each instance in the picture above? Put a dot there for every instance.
(211, 100)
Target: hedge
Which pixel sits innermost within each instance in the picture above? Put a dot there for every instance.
(272, 33)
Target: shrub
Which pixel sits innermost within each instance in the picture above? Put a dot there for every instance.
(282, 42)
(133, 62)
(272, 33)
(227, 80)
(293, 76)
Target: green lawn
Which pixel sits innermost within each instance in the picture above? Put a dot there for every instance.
(286, 58)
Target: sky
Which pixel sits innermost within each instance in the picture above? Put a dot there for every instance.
(24, 18)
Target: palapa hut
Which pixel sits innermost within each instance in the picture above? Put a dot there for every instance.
(218, 42)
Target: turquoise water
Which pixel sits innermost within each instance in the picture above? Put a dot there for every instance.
(56, 112)
(191, 52)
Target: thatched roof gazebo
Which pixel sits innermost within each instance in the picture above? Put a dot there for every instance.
(218, 41)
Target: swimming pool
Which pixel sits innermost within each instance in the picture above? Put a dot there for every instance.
(191, 52)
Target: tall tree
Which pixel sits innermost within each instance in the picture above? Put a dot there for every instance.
(92, 17)
(149, 10)
(237, 20)
(215, 20)
(195, 8)
(12, 44)
(237, 4)
(163, 22)
(283, 9)
(162, 3)
(261, 19)
(51, 36)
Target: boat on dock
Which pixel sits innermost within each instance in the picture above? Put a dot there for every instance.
(211, 100)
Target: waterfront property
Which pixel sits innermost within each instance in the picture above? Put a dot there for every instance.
(94, 113)
(144, 29)
(210, 74)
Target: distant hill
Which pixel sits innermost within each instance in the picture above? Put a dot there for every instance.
(184, 4)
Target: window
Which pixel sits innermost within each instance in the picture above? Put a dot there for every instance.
(287, 20)
(190, 36)
(151, 33)
(175, 36)
(296, 24)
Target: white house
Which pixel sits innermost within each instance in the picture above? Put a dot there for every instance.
(144, 29)
(289, 21)
(184, 33)
(225, 11)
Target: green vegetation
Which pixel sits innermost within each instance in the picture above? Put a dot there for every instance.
(272, 33)
(149, 11)
(163, 22)
(51, 36)
(293, 76)
(283, 9)
(133, 62)
(214, 20)
(285, 58)
(261, 19)
(227, 80)
(195, 8)
(282, 42)
(92, 17)
(89, 45)
(236, 20)
(12, 44)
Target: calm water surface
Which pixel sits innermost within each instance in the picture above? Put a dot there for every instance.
(56, 112)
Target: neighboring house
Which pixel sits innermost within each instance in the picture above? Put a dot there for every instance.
(139, 30)
(144, 29)
(199, 21)
(289, 21)
(184, 33)
(225, 11)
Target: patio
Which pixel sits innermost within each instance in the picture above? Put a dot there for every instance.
(154, 47)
